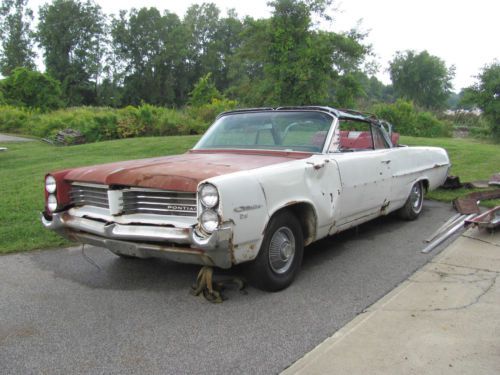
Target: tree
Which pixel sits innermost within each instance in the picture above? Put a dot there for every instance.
(212, 42)
(151, 48)
(486, 95)
(204, 91)
(32, 89)
(17, 46)
(245, 71)
(347, 88)
(227, 43)
(285, 61)
(298, 73)
(422, 78)
(72, 36)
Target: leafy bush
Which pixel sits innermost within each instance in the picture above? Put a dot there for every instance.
(128, 124)
(206, 113)
(204, 91)
(407, 120)
(174, 122)
(27, 88)
(476, 125)
(14, 120)
(428, 125)
(94, 123)
(102, 123)
(484, 94)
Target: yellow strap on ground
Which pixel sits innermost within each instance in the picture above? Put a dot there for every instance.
(204, 285)
(212, 290)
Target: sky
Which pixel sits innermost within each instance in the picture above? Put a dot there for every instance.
(462, 33)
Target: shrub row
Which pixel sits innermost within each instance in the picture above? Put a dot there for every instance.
(408, 120)
(475, 124)
(101, 123)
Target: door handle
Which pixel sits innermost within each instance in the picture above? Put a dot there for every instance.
(317, 166)
(385, 161)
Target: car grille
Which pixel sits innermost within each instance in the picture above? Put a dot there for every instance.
(91, 195)
(159, 202)
(135, 200)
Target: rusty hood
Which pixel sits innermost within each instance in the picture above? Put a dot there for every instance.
(180, 172)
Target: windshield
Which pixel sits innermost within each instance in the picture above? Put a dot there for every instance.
(292, 131)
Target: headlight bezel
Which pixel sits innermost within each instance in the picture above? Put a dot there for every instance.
(50, 184)
(213, 196)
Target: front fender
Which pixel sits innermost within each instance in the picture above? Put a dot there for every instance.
(243, 204)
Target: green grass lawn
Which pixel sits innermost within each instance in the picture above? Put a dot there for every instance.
(22, 171)
(472, 160)
(23, 166)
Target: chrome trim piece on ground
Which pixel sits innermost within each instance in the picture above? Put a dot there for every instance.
(459, 224)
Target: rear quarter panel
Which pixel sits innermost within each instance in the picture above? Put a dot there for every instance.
(411, 164)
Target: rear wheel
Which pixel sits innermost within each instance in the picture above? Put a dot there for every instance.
(280, 255)
(414, 203)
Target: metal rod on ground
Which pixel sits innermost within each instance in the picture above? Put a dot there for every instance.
(447, 234)
(446, 225)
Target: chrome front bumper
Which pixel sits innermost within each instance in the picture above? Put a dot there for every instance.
(147, 241)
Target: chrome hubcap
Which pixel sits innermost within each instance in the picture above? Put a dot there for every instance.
(281, 250)
(416, 197)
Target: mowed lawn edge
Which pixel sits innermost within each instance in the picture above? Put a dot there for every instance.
(24, 165)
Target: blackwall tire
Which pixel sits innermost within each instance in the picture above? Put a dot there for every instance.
(413, 206)
(280, 255)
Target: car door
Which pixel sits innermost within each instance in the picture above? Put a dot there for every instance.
(364, 163)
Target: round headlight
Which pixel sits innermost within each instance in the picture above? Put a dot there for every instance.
(52, 203)
(209, 221)
(209, 195)
(50, 184)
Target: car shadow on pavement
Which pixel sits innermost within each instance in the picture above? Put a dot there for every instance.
(98, 268)
(334, 246)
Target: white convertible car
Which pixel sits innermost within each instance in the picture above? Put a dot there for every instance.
(258, 187)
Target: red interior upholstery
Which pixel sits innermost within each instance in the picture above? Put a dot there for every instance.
(351, 139)
(354, 139)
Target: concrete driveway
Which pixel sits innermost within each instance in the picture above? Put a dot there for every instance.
(59, 314)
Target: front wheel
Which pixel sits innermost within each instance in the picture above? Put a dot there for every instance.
(280, 255)
(414, 203)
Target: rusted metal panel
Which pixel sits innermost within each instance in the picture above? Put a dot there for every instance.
(181, 173)
(489, 219)
(468, 204)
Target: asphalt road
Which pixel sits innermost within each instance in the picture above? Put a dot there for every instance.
(59, 314)
(11, 138)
